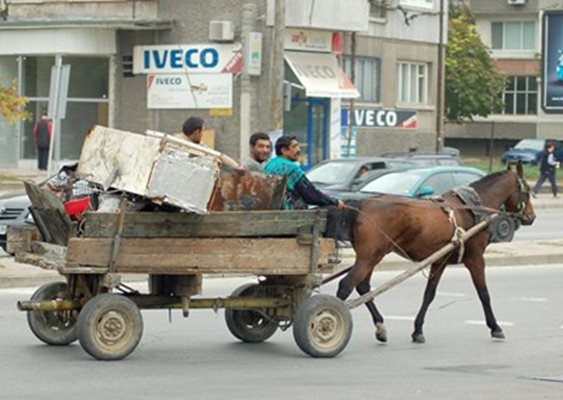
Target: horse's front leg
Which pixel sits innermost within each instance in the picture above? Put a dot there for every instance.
(476, 266)
(429, 293)
(380, 331)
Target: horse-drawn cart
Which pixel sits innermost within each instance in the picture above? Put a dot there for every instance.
(175, 250)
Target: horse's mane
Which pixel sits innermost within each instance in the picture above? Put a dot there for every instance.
(488, 180)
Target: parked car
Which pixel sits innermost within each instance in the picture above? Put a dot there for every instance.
(14, 210)
(427, 159)
(528, 151)
(418, 182)
(345, 175)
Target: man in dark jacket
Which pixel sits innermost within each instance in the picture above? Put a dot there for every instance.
(42, 136)
(548, 164)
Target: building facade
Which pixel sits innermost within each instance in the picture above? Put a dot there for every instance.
(512, 29)
(149, 64)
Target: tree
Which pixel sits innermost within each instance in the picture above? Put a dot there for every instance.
(12, 106)
(473, 83)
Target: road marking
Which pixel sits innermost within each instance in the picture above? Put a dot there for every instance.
(531, 299)
(450, 294)
(476, 322)
(399, 318)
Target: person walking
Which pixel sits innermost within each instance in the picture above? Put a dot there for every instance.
(548, 165)
(42, 136)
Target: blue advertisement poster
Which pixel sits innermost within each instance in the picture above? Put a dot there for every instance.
(552, 57)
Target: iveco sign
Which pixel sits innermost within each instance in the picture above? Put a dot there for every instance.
(212, 58)
(381, 118)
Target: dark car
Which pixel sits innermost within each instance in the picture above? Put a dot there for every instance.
(14, 210)
(528, 151)
(345, 175)
(450, 158)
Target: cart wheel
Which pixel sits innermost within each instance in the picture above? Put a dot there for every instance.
(52, 327)
(248, 325)
(322, 326)
(110, 327)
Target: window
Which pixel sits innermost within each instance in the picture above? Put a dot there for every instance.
(413, 82)
(518, 35)
(520, 96)
(465, 178)
(439, 182)
(378, 8)
(367, 77)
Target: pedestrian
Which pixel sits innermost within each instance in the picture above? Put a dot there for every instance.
(193, 129)
(260, 152)
(42, 136)
(548, 164)
(300, 191)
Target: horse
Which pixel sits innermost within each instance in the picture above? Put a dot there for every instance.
(417, 228)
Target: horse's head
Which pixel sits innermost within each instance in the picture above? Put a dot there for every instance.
(519, 200)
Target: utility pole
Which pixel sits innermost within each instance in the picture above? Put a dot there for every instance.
(248, 18)
(277, 75)
(440, 86)
(352, 103)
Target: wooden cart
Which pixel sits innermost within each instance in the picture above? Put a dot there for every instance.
(175, 250)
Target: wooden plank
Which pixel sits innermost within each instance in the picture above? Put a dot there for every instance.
(214, 225)
(51, 211)
(19, 238)
(187, 256)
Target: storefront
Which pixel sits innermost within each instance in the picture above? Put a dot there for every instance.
(317, 85)
(26, 57)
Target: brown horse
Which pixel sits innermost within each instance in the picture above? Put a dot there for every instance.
(415, 229)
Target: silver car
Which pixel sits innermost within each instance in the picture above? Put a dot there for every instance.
(14, 210)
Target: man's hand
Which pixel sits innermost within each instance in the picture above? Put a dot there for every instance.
(341, 205)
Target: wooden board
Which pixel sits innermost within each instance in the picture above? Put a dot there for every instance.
(215, 225)
(187, 256)
(52, 213)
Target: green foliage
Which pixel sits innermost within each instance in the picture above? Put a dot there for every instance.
(12, 106)
(473, 83)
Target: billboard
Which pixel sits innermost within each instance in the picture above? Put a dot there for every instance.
(552, 58)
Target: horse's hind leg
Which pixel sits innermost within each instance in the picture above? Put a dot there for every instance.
(476, 266)
(380, 331)
(429, 293)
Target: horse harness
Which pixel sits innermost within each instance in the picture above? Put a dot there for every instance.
(471, 199)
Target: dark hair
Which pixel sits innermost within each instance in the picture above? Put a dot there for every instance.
(258, 136)
(549, 144)
(191, 125)
(283, 143)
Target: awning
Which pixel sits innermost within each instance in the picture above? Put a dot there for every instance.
(321, 75)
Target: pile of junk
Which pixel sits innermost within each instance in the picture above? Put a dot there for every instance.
(122, 171)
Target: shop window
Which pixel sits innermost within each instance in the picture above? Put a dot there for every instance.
(88, 77)
(520, 96)
(37, 76)
(367, 79)
(413, 83)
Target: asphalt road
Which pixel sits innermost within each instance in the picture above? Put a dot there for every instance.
(197, 358)
(548, 225)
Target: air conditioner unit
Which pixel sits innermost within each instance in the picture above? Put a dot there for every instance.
(516, 2)
(221, 31)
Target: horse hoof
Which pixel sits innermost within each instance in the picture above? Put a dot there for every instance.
(381, 332)
(418, 338)
(498, 334)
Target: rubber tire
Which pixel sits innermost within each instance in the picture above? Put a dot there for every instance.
(105, 311)
(502, 229)
(317, 310)
(46, 325)
(247, 325)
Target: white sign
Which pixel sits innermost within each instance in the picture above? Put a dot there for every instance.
(307, 40)
(426, 4)
(202, 58)
(253, 54)
(189, 91)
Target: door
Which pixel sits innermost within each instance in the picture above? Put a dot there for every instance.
(308, 121)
